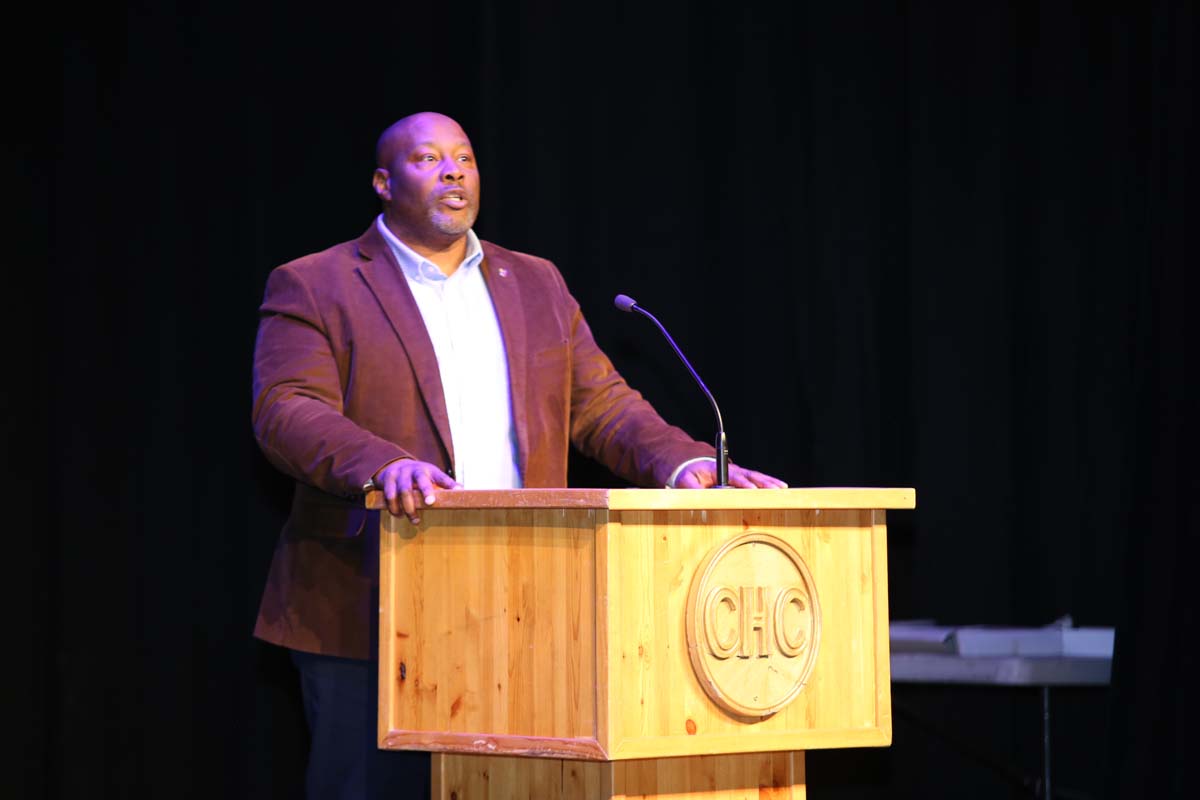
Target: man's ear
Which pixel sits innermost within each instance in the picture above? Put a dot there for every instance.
(381, 181)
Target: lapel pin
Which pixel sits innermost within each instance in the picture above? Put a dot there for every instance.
(503, 272)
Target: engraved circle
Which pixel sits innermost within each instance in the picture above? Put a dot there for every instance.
(753, 624)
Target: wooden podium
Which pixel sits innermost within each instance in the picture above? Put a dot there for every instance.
(591, 643)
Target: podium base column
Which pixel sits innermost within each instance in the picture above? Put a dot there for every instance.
(752, 776)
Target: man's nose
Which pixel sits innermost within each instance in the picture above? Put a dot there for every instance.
(453, 172)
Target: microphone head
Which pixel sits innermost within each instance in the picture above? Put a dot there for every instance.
(624, 302)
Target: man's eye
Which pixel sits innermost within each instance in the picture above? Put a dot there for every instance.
(426, 157)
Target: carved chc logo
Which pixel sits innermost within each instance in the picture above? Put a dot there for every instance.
(753, 624)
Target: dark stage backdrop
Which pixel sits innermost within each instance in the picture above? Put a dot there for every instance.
(946, 246)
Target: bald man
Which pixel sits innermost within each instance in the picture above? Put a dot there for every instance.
(418, 358)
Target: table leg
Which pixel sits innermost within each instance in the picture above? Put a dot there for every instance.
(1047, 791)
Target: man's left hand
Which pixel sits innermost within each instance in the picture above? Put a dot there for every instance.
(703, 474)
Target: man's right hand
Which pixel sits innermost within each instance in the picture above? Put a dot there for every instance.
(403, 481)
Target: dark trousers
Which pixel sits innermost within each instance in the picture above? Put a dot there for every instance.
(344, 762)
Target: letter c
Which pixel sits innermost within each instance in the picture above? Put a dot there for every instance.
(721, 648)
(788, 645)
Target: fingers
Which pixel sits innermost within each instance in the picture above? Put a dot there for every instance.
(690, 479)
(739, 480)
(442, 479)
(408, 485)
(421, 480)
(749, 479)
(397, 492)
(408, 503)
(703, 474)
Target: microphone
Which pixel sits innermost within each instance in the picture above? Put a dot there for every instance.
(625, 303)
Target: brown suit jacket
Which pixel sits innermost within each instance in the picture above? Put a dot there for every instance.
(346, 380)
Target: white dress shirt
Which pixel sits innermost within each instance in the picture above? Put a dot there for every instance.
(461, 322)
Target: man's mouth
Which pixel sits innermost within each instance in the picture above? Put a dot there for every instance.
(454, 199)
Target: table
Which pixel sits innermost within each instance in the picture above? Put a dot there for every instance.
(1043, 672)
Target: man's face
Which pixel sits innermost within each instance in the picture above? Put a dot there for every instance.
(429, 180)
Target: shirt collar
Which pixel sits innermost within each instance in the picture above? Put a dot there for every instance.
(420, 269)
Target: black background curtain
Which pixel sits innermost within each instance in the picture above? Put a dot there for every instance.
(947, 246)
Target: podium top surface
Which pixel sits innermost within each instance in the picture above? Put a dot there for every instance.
(841, 497)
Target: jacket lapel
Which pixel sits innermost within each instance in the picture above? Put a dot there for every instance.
(502, 285)
(386, 281)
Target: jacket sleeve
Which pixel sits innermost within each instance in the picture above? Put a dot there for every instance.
(612, 423)
(299, 373)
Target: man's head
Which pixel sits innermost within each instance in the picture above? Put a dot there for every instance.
(427, 179)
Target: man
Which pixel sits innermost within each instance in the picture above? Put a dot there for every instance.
(413, 359)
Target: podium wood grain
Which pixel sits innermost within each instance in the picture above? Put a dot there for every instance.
(753, 776)
(551, 623)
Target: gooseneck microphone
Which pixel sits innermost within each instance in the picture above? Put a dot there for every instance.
(627, 304)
